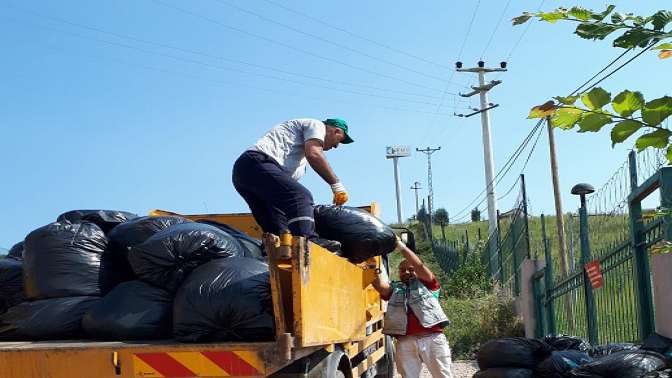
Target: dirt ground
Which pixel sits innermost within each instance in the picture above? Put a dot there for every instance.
(461, 369)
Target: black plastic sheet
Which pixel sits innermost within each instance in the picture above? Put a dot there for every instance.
(626, 364)
(16, 252)
(167, 258)
(133, 310)
(505, 373)
(47, 319)
(63, 260)
(361, 234)
(105, 219)
(252, 247)
(137, 231)
(564, 342)
(512, 352)
(599, 351)
(667, 373)
(11, 283)
(658, 343)
(560, 363)
(225, 300)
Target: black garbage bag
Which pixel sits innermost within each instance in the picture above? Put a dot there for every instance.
(225, 300)
(167, 258)
(564, 342)
(504, 373)
(46, 319)
(133, 310)
(16, 252)
(63, 260)
(11, 283)
(599, 351)
(136, 231)
(105, 219)
(667, 373)
(361, 234)
(658, 343)
(129, 234)
(625, 364)
(252, 247)
(512, 352)
(560, 363)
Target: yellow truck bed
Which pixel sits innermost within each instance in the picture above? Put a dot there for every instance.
(323, 305)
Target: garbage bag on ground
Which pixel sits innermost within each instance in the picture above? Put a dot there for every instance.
(504, 373)
(361, 234)
(225, 300)
(136, 231)
(46, 319)
(252, 247)
(564, 342)
(599, 351)
(105, 219)
(16, 252)
(625, 364)
(133, 310)
(63, 260)
(11, 283)
(512, 352)
(667, 373)
(560, 363)
(167, 258)
(658, 343)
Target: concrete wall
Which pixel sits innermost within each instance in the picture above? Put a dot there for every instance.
(661, 267)
(524, 303)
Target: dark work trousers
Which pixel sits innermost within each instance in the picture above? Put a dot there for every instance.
(278, 202)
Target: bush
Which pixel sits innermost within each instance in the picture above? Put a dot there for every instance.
(470, 280)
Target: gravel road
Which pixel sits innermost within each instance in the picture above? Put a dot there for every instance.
(461, 369)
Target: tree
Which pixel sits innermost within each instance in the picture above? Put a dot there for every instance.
(441, 218)
(475, 215)
(630, 113)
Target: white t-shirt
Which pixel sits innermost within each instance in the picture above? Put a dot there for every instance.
(285, 143)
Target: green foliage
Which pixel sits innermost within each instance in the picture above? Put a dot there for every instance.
(470, 280)
(637, 31)
(441, 217)
(475, 215)
(476, 320)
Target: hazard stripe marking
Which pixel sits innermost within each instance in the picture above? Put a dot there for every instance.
(141, 369)
(165, 365)
(233, 364)
(199, 364)
(252, 358)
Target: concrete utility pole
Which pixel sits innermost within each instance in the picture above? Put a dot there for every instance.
(560, 222)
(394, 153)
(416, 186)
(482, 90)
(430, 202)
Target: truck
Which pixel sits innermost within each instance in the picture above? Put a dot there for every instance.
(328, 320)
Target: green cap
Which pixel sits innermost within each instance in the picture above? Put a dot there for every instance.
(341, 124)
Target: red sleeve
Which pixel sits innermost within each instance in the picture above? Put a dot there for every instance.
(386, 298)
(432, 285)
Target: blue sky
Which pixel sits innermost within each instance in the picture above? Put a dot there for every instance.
(136, 105)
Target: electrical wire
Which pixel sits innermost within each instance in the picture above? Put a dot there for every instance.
(466, 36)
(522, 35)
(499, 22)
(325, 40)
(288, 46)
(212, 56)
(329, 24)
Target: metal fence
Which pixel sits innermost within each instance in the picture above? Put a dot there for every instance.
(613, 230)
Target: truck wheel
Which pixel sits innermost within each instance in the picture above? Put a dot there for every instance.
(385, 367)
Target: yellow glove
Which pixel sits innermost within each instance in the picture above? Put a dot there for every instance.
(340, 194)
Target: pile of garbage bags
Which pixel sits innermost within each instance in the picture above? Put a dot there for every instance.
(564, 356)
(111, 275)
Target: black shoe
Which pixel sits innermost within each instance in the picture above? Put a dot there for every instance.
(330, 245)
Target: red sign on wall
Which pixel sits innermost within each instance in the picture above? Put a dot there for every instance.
(594, 274)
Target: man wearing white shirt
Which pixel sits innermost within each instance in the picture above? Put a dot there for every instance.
(267, 174)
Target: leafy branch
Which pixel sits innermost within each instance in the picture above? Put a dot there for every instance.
(639, 31)
(629, 114)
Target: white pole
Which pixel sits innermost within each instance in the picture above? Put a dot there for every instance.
(487, 157)
(398, 186)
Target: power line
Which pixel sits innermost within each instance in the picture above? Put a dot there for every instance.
(212, 56)
(330, 25)
(599, 72)
(466, 36)
(522, 35)
(325, 40)
(541, 131)
(487, 45)
(288, 46)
